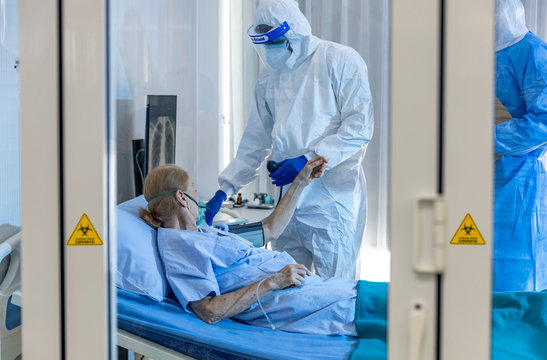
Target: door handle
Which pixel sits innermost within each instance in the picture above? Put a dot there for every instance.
(429, 235)
(417, 317)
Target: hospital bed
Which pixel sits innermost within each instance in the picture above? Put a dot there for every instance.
(163, 330)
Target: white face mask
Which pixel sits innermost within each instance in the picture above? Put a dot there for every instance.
(277, 55)
(271, 44)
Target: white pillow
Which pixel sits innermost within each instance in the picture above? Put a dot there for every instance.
(140, 268)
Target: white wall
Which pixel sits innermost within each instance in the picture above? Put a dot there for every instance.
(10, 160)
(168, 47)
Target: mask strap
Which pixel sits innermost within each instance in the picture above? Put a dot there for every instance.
(161, 194)
(195, 202)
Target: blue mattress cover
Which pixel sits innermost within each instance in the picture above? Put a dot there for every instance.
(162, 322)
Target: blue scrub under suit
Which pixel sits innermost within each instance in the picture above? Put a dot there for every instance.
(520, 233)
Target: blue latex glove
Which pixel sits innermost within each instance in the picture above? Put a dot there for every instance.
(213, 206)
(288, 169)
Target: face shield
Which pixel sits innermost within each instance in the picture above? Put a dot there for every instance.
(272, 46)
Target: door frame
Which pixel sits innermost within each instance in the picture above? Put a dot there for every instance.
(437, 289)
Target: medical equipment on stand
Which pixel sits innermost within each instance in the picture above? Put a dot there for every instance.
(252, 232)
(261, 201)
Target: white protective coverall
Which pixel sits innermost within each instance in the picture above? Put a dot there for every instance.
(318, 103)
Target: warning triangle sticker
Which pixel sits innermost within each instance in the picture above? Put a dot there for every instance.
(468, 233)
(84, 234)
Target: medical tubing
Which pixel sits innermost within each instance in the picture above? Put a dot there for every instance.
(273, 166)
(138, 165)
(259, 304)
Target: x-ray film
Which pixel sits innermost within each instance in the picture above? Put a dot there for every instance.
(161, 121)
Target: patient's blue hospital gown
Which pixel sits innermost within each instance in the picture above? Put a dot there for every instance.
(520, 234)
(213, 262)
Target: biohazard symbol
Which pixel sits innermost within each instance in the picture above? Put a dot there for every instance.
(84, 230)
(468, 233)
(84, 234)
(467, 229)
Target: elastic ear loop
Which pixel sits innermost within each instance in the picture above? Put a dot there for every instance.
(259, 304)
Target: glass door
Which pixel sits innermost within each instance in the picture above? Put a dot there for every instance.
(88, 183)
(520, 203)
(415, 191)
(468, 179)
(183, 89)
(441, 173)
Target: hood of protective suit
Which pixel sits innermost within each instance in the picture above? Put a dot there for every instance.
(510, 23)
(274, 13)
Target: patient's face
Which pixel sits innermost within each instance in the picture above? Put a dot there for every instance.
(192, 191)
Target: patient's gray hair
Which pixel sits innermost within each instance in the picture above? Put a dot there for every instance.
(164, 178)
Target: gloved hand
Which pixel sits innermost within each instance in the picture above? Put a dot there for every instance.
(213, 206)
(288, 169)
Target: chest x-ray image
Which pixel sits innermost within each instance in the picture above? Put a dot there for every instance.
(161, 120)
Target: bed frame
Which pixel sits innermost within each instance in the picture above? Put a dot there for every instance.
(136, 344)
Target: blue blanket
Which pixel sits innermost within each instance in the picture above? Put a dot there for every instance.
(519, 324)
(371, 321)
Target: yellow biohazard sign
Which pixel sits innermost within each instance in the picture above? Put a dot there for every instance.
(468, 233)
(84, 234)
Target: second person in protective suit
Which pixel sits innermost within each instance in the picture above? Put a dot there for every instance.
(311, 98)
(520, 232)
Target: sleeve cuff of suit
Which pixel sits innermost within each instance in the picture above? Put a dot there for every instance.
(228, 189)
(310, 155)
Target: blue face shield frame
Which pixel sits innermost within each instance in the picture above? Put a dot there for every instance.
(272, 46)
(258, 36)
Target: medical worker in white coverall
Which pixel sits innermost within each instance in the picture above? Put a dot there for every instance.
(312, 98)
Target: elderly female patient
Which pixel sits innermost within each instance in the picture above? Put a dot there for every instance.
(218, 275)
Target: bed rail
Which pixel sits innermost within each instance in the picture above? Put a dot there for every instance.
(148, 348)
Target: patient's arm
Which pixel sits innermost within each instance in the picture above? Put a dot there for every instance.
(212, 309)
(278, 220)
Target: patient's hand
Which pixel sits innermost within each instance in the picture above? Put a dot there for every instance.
(289, 276)
(277, 221)
(314, 169)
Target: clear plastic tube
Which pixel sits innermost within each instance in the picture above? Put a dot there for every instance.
(261, 308)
